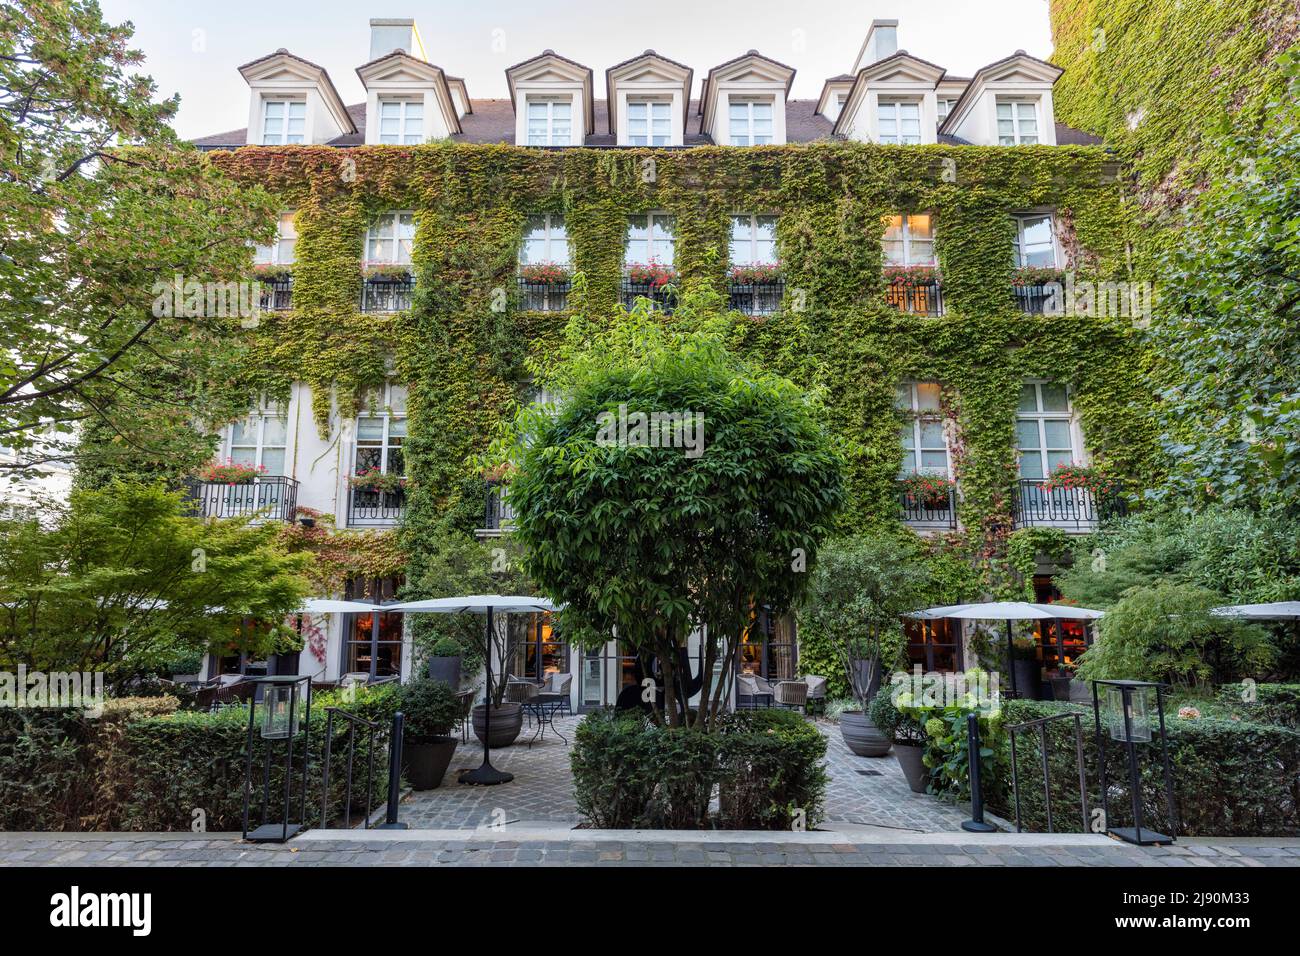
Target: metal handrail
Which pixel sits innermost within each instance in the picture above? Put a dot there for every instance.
(1041, 723)
(353, 722)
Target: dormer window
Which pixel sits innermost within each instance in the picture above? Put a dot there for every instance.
(1017, 121)
(390, 238)
(750, 122)
(550, 121)
(401, 122)
(283, 122)
(649, 122)
(899, 122)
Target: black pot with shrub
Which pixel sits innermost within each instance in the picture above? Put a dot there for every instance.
(907, 736)
(444, 662)
(430, 711)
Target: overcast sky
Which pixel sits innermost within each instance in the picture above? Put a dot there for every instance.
(194, 46)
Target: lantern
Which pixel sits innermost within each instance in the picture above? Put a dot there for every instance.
(1128, 712)
(279, 713)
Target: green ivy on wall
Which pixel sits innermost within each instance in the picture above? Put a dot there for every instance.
(463, 344)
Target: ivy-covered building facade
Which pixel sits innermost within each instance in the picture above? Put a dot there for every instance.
(934, 254)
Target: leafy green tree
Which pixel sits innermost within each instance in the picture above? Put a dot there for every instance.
(1229, 322)
(856, 596)
(650, 533)
(1166, 632)
(99, 202)
(124, 581)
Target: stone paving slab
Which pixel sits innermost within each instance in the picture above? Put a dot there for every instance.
(767, 850)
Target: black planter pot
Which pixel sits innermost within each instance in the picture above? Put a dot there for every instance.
(1029, 680)
(507, 721)
(861, 736)
(909, 758)
(427, 762)
(1061, 688)
(447, 670)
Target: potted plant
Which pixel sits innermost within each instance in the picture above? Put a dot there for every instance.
(1024, 661)
(373, 479)
(444, 662)
(429, 707)
(767, 273)
(911, 277)
(545, 273)
(1061, 678)
(908, 736)
(859, 588)
(927, 490)
(654, 274)
(229, 473)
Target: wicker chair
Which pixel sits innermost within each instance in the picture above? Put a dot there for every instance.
(752, 692)
(557, 688)
(792, 694)
(816, 693)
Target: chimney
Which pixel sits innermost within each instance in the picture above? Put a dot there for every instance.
(881, 41)
(395, 33)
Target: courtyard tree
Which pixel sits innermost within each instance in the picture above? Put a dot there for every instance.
(123, 581)
(671, 489)
(101, 205)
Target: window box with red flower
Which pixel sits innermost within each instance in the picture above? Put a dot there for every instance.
(927, 489)
(650, 280)
(756, 289)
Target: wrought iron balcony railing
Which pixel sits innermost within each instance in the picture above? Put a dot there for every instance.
(917, 299)
(756, 298)
(277, 294)
(267, 497)
(1070, 508)
(662, 298)
(919, 512)
(498, 517)
(1032, 299)
(543, 296)
(367, 506)
(387, 293)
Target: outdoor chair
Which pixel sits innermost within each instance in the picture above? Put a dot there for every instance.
(792, 694)
(752, 692)
(816, 692)
(557, 688)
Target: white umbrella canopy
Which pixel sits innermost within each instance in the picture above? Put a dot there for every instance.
(327, 606)
(475, 604)
(1009, 611)
(1274, 611)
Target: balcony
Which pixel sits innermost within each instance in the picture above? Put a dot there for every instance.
(387, 293)
(757, 298)
(368, 507)
(663, 298)
(277, 294)
(1071, 509)
(265, 498)
(498, 517)
(543, 296)
(1033, 299)
(921, 299)
(930, 514)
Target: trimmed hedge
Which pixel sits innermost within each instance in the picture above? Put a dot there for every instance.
(1231, 777)
(146, 766)
(765, 766)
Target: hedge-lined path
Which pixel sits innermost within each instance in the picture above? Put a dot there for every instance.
(564, 847)
(543, 789)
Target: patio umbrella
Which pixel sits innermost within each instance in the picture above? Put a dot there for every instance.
(1008, 611)
(1276, 611)
(488, 604)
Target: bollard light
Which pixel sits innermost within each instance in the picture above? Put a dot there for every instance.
(1128, 712)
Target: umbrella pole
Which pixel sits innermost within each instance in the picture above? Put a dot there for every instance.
(1011, 661)
(486, 774)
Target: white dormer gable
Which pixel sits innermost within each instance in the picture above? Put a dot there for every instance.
(835, 92)
(292, 101)
(548, 81)
(1016, 91)
(757, 88)
(658, 90)
(891, 95)
(397, 79)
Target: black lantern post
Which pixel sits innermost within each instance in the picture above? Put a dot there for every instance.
(285, 705)
(1128, 714)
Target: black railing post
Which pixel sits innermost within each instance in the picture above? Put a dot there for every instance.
(976, 822)
(394, 774)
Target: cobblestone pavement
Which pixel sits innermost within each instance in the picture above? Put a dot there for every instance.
(543, 789)
(28, 850)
